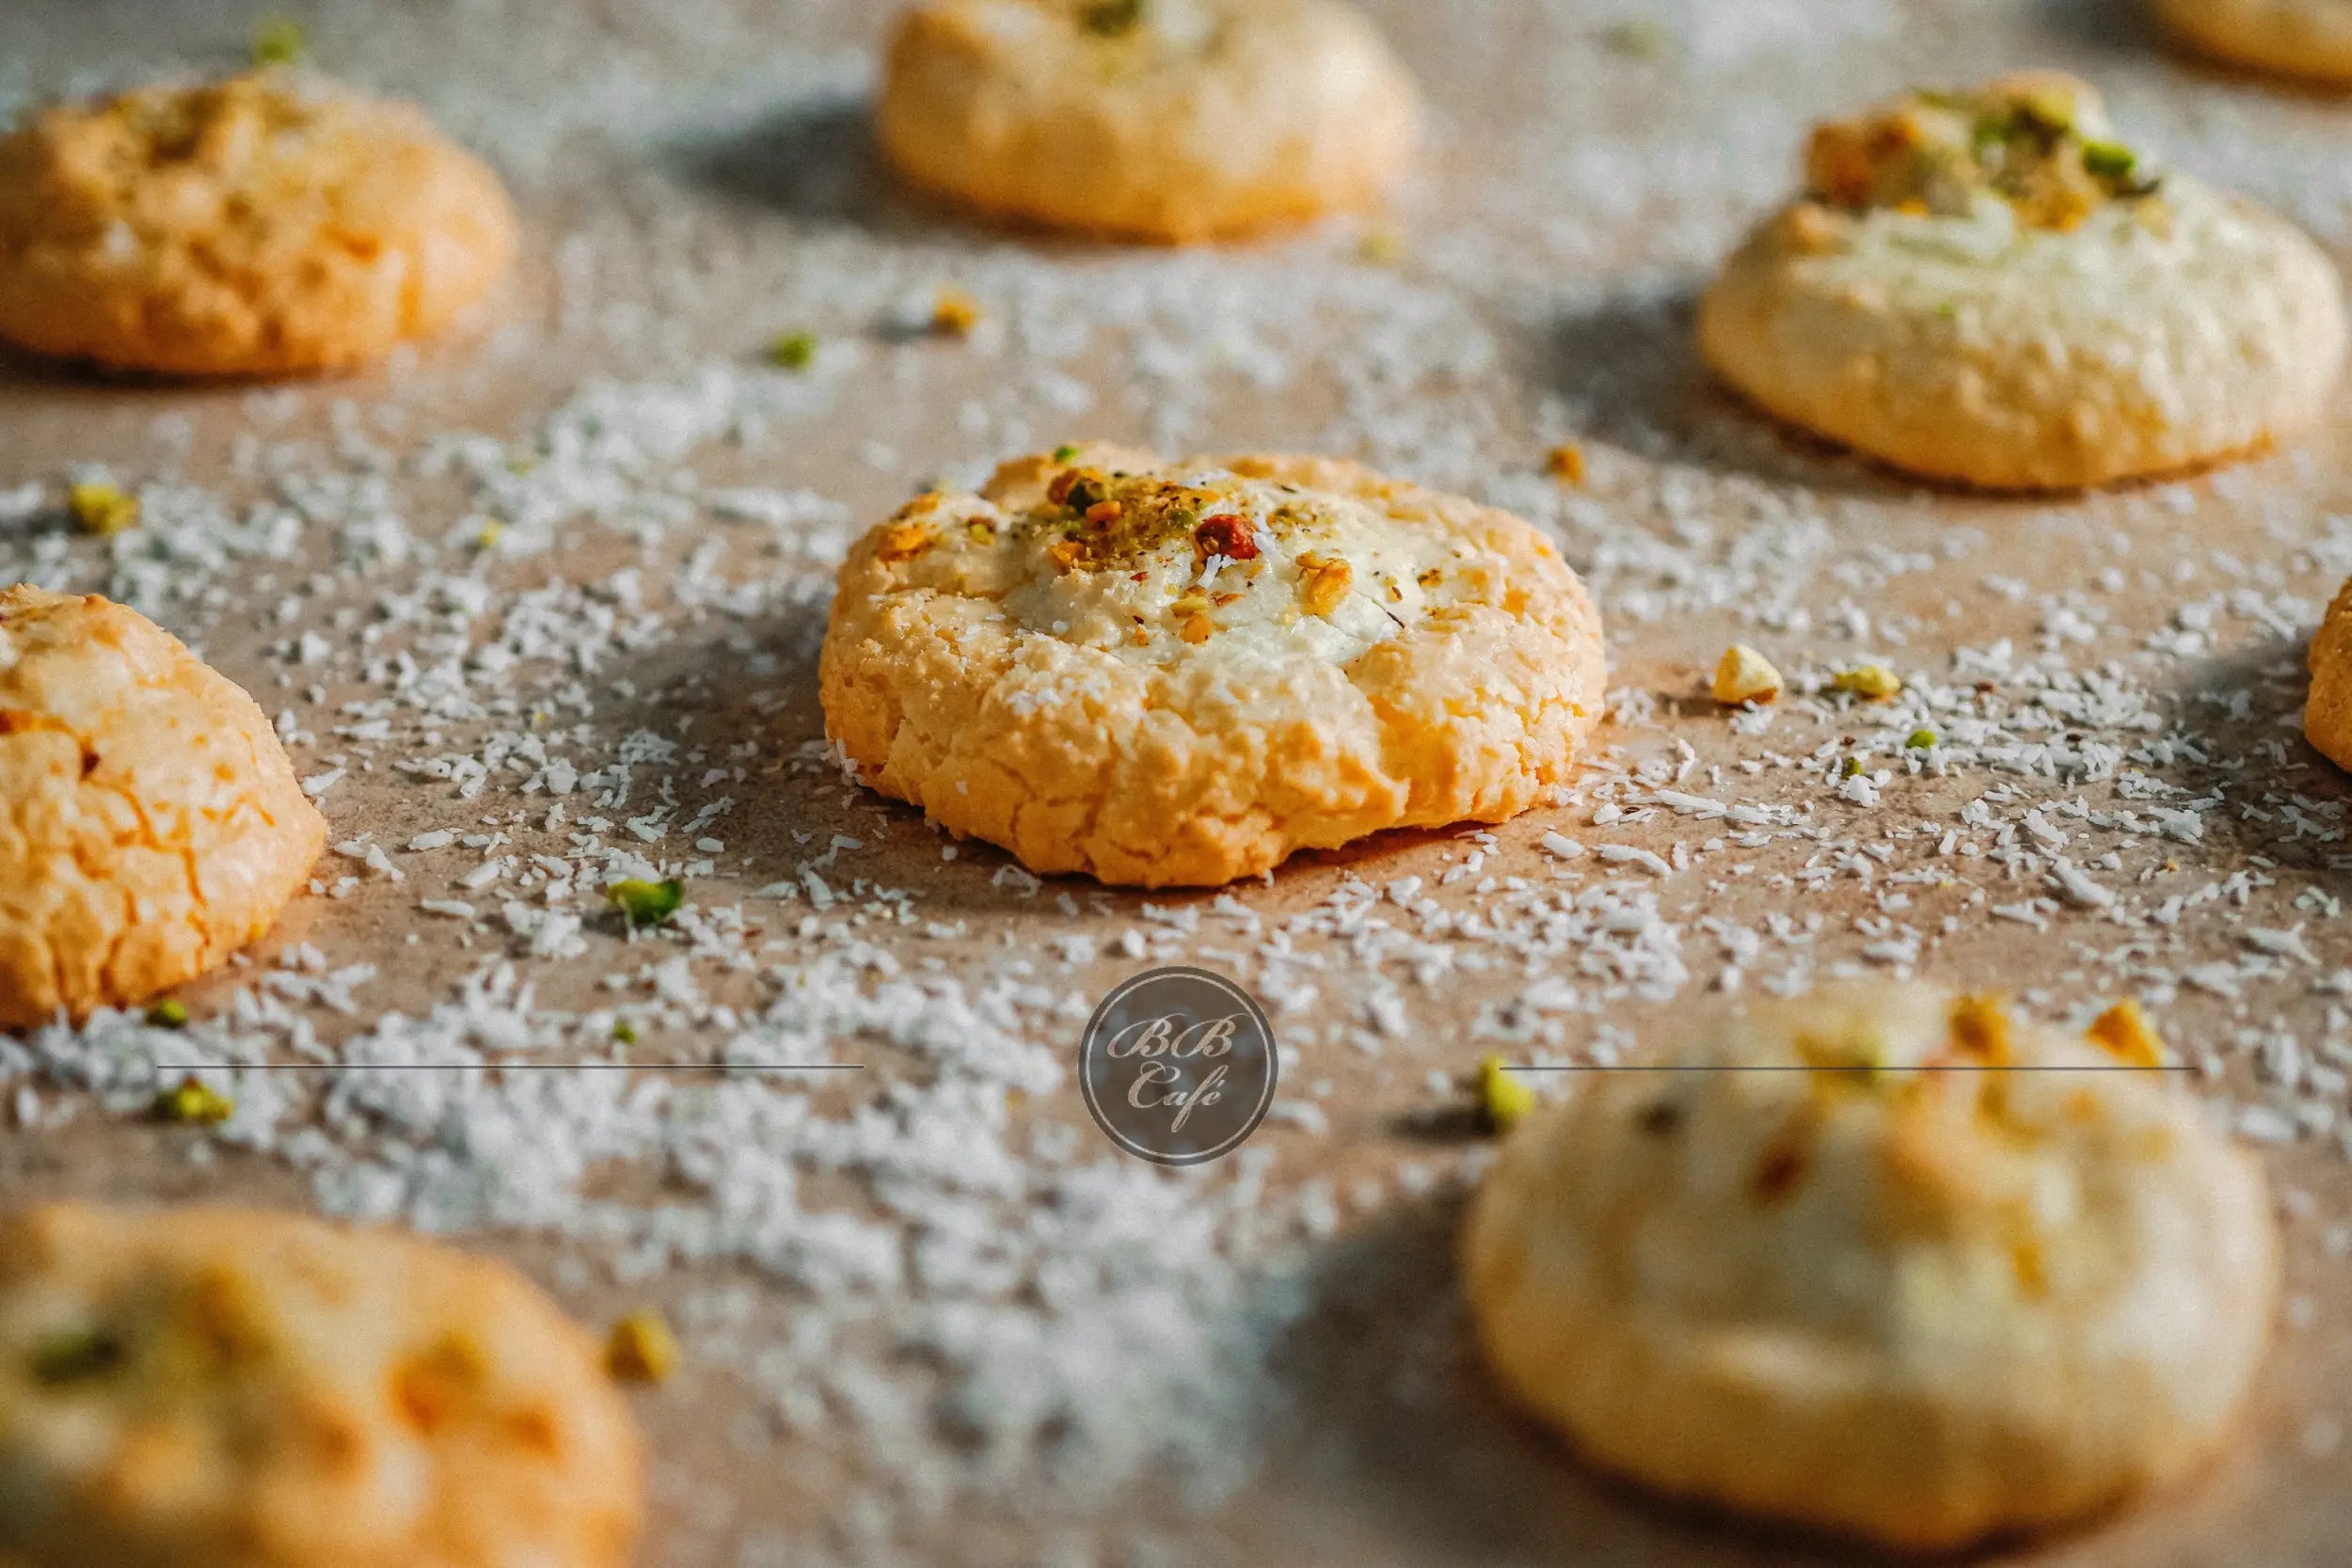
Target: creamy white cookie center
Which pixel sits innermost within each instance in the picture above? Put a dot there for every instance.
(1205, 566)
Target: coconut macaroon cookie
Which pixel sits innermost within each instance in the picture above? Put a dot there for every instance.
(264, 225)
(2310, 39)
(1157, 119)
(153, 821)
(1988, 287)
(224, 1388)
(1178, 673)
(1903, 1298)
(2327, 714)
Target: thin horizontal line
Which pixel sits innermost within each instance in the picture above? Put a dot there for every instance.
(1775, 1067)
(515, 1067)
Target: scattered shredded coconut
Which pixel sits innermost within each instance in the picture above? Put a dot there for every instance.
(543, 610)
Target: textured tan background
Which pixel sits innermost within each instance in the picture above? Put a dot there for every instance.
(695, 176)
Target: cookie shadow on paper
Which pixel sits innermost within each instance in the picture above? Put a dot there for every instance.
(2278, 797)
(1628, 370)
(813, 161)
(1401, 1430)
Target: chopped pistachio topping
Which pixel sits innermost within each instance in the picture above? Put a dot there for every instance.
(2125, 1033)
(641, 1349)
(1859, 1053)
(1324, 581)
(2110, 161)
(623, 1032)
(1111, 18)
(1920, 740)
(1228, 534)
(645, 903)
(1064, 454)
(1105, 520)
(171, 1013)
(2037, 141)
(1639, 39)
(794, 351)
(1852, 769)
(1871, 682)
(76, 1355)
(905, 541)
(1503, 1097)
(278, 40)
(101, 509)
(1744, 675)
(1980, 1028)
(194, 1104)
(955, 313)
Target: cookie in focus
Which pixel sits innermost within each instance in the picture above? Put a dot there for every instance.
(273, 223)
(229, 1388)
(1175, 674)
(156, 822)
(1904, 1299)
(1988, 287)
(1168, 120)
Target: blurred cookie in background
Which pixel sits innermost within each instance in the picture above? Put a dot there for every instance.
(1884, 1261)
(1167, 121)
(2306, 38)
(1988, 287)
(230, 1388)
(270, 224)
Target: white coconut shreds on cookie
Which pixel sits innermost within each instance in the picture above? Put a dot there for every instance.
(1987, 287)
(2310, 39)
(1179, 674)
(153, 823)
(1155, 119)
(199, 1387)
(1896, 1294)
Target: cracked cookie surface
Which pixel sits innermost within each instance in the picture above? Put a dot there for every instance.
(149, 821)
(223, 1389)
(264, 225)
(1846, 1272)
(1178, 674)
(1159, 119)
(1987, 287)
